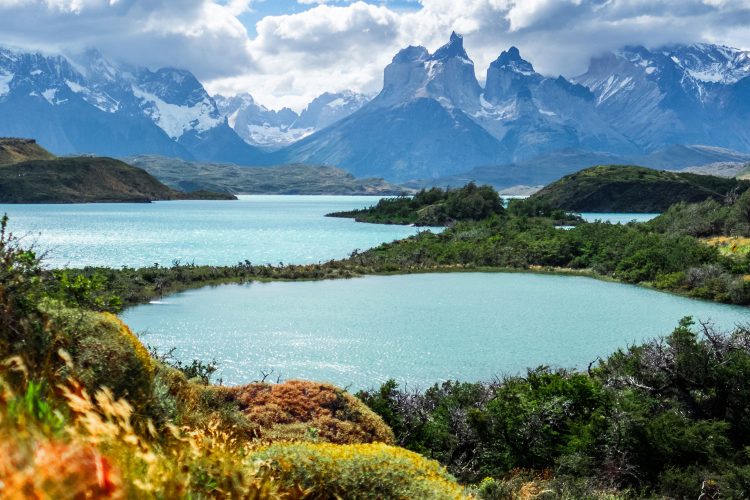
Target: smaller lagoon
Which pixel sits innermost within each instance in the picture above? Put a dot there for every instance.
(419, 329)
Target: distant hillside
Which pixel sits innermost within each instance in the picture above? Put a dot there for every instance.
(17, 150)
(719, 169)
(286, 179)
(615, 188)
(84, 180)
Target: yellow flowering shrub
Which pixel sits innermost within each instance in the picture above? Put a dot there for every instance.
(375, 470)
(103, 352)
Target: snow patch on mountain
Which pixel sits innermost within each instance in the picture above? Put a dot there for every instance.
(268, 135)
(177, 119)
(711, 63)
(50, 94)
(5, 79)
(612, 86)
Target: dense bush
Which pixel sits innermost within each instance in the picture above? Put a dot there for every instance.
(103, 352)
(708, 218)
(480, 429)
(359, 471)
(299, 410)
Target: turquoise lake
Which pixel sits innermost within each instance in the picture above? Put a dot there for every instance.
(419, 329)
(261, 229)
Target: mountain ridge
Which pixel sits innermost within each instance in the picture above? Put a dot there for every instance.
(432, 118)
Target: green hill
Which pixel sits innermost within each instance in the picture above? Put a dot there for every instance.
(84, 180)
(615, 188)
(18, 150)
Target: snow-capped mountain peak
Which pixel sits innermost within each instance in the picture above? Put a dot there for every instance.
(87, 103)
(454, 48)
(511, 60)
(508, 75)
(263, 127)
(446, 76)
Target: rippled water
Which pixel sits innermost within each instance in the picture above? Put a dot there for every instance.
(262, 229)
(418, 329)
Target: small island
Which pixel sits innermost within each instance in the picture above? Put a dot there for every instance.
(433, 207)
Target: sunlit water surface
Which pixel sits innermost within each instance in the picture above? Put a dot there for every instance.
(262, 229)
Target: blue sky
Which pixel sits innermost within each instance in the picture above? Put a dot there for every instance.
(286, 52)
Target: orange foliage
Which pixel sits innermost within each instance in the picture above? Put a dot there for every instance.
(300, 410)
(56, 470)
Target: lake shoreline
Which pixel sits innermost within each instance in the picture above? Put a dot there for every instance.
(447, 269)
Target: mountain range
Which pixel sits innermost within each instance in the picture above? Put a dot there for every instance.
(270, 129)
(432, 119)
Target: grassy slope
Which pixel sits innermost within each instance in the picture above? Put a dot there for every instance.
(633, 189)
(83, 180)
(285, 179)
(18, 150)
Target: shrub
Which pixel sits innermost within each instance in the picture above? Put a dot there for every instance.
(358, 471)
(299, 410)
(104, 351)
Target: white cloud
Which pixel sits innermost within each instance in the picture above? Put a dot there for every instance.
(201, 35)
(344, 44)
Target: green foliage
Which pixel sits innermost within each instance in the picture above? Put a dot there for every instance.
(197, 370)
(727, 217)
(88, 292)
(34, 405)
(482, 430)
(633, 253)
(358, 471)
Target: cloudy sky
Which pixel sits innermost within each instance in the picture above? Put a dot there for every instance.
(285, 52)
